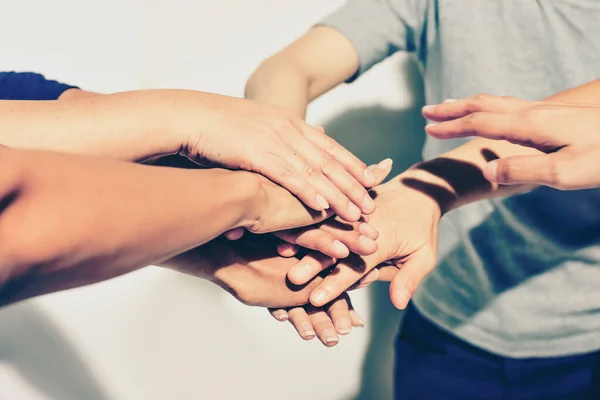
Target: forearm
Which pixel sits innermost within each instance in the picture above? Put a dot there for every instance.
(75, 221)
(129, 126)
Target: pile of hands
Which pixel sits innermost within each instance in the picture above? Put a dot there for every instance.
(324, 224)
(348, 229)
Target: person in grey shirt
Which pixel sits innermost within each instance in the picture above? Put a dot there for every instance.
(512, 308)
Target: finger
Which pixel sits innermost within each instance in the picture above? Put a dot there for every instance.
(357, 321)
(349, 161)
(386, 272)
(343, 276)
(235, 234)
(511, 127)
(366, 280)
(339, 312)
(330, 180)
(368, 231)
(452, 109)
(355, 318)
(381, 170)
(282, 167)
(335, 239)
(545, 169)
(315, 239)
(410, 274)
(280, 315)
(323, 326)
(309, 267)
(287, 250)
(301, 322)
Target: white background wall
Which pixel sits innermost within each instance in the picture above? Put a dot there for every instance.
(155, 334)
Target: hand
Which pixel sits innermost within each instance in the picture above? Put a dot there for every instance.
(407, 218)
(359, 241)
(239, 133)
(567, 133)
(337, 318)
(257, 277)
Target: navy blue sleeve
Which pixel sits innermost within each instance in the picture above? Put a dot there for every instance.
(30, 86)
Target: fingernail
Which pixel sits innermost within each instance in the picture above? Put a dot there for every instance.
(450, 101)
(302, 272)
(281, 316)
(357, 318)
(428, 108)
(343, 326)
(353, 211)
(369, 177)
(307, 330)
(366, 242)
(490, 171)
(387, 163)
(340, 248)
(368, 231)
(403, 298)
(330, 336)
(318, 298)
(322, 202)
(368, 203)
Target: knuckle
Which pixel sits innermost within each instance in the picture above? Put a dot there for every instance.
(309, 171)
(287, 171)
(327, 163)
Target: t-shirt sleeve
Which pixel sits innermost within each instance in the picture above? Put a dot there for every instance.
(379, 28)
(30, 86)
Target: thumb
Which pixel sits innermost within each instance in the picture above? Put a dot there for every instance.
(410, 275)
(538, 169)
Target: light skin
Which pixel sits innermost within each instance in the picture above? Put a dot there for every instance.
(207, 128)
(319, 61)
(568, 134)
(62, 215)
(70, 220)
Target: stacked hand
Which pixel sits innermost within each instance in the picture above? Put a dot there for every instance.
(278, 145)
(406, 218)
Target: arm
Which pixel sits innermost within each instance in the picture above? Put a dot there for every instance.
(566, 133)
(315, 63)
(207, 128)
(67, 221)
(344, 45)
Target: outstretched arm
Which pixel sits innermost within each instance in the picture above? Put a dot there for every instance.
(69, 220)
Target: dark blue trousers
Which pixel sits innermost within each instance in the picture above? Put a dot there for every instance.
(431, 364)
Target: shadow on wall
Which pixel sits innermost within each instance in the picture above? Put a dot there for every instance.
(375, 133)
(36, 348)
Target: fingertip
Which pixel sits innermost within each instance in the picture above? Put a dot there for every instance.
(368, 231)
(368, 245)
(235, 234)
(490, 171)
(318, 298)
(356, 320)
(340, 249)
(287, 250)
(369, 178)
(300, 274)
(280, 315)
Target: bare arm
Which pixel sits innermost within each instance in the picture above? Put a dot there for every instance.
(68, 220)
(307, 68)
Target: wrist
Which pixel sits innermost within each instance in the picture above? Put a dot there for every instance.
(424, 187)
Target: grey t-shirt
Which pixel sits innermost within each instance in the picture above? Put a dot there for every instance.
(518, 276)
